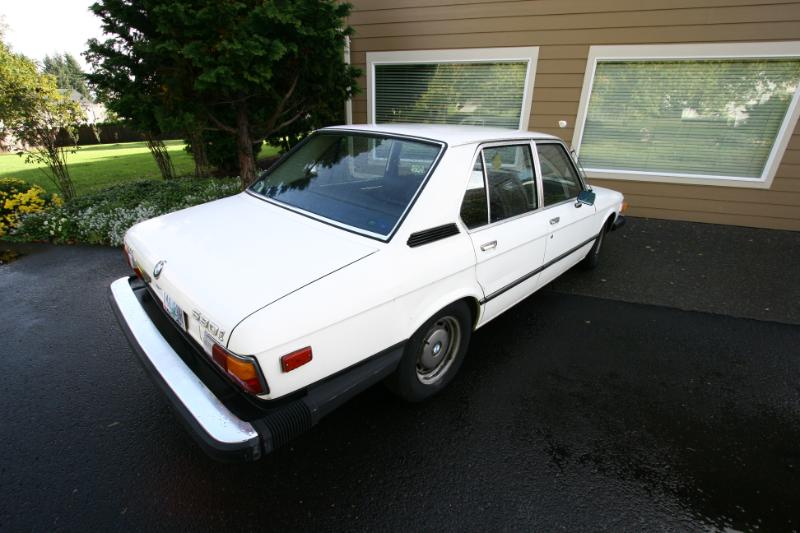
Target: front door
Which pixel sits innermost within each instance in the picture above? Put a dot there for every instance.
(571, 225)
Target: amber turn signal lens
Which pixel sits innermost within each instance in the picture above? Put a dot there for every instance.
(624, 207)
(242, 370)
(296, 359)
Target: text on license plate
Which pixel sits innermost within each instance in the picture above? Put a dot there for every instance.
(174, 310)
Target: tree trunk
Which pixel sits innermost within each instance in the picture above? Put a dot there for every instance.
(202, 169)
(161, 155)
(55, 157)
(95, 132)
(57, 163)
(244, 147)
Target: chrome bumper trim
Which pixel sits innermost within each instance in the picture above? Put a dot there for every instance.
(215, 426)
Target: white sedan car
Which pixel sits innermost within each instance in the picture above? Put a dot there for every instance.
(366, 254)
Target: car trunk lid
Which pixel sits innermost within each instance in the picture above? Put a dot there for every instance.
(221, 261)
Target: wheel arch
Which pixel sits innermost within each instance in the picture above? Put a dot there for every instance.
(474, 308)
(471, 300)
(609, 223)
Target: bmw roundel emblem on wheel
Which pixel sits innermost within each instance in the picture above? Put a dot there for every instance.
(158, 268)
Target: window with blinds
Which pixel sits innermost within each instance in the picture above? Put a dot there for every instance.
(706, 118)
(480, 93)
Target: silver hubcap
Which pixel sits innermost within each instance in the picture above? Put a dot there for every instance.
(439, 348)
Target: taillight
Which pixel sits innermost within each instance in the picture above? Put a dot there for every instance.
(131, 262)
(243, 370)
(296, 359)
(128, 256)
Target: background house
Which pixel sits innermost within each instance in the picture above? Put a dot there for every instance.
(94, 112)
(689, 107)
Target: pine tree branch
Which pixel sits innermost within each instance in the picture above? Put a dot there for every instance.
(220, 125)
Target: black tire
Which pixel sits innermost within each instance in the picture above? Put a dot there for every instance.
(592, 259)
(425, 369)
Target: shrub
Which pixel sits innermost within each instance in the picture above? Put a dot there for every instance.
(104, 217)
(18, 198)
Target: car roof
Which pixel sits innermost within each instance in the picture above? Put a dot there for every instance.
(453, 135)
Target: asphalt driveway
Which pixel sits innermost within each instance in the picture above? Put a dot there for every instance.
(571, 412)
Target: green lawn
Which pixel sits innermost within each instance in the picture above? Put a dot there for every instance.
(98, 166)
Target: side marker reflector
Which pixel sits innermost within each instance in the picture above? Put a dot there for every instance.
(296, 359)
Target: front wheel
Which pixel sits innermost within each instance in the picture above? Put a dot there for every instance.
(433, 354)
(593, 258)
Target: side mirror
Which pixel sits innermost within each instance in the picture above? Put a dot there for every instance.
(585, 197)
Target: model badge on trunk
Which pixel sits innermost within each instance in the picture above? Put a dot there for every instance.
(158, 268)
(207, 325)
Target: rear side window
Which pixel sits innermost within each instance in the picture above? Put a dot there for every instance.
(510, 179)
(474, 208)
(559, 179)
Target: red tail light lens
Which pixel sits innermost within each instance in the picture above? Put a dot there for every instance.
(243, 370)
(296, 359)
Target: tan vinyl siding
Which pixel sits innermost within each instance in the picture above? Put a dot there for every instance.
(564, 30)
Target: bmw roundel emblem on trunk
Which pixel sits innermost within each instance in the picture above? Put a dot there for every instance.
(158, 268)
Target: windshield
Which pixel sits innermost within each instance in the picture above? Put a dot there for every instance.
(363, 181)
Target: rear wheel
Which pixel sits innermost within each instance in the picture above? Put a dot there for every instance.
(433, 354)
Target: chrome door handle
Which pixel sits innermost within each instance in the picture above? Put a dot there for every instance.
(554, 221)
(488, 246)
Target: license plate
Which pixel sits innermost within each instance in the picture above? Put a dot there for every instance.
(174, 310)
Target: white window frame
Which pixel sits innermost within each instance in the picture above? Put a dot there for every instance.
(772, 50)
(529, 54)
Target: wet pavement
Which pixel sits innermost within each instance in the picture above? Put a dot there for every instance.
(571, 412)
(729, 270)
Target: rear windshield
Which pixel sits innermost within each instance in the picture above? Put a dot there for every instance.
(366, 182)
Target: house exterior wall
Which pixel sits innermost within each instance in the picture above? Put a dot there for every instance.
(564, 30)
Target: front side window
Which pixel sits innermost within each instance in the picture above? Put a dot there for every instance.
(712, 119)
(366, 182)
(559, 180)
(511, 182)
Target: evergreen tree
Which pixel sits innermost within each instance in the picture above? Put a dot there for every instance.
(253, 69)
(67, 72)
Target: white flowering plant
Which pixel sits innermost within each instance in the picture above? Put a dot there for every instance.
(104, 217)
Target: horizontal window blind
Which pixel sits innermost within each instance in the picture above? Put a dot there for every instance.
(696, 117)
(482, 94)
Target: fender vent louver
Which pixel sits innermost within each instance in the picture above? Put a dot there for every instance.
(433, 234)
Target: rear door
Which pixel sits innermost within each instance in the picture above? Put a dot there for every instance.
(502, 212)
(571, 226)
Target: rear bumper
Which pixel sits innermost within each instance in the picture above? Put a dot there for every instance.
(219, 431)
(211, 420)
